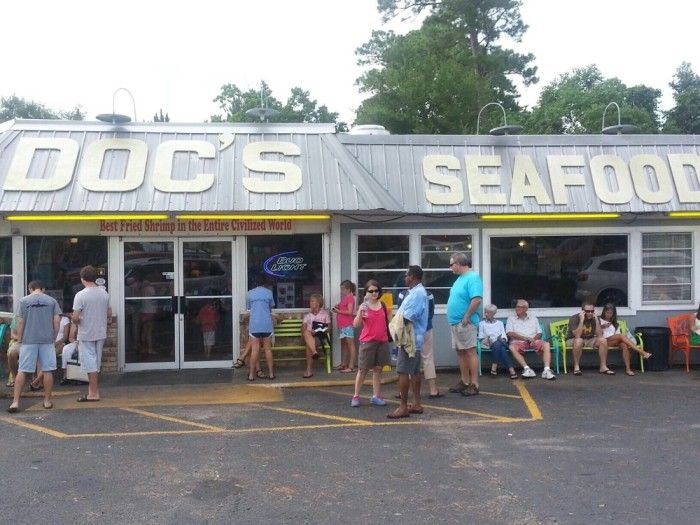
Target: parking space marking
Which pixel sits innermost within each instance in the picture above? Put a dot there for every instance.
(31, 426)
(172, 419)
(529, 402)
(316, 414)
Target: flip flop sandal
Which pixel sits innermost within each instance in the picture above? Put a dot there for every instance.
(394, 415)
(10, 384)
(578, 373)
(630, 373)
(307, 376)
(48, 406)
(250, 378)
(515, 376)
(347, 370)
(86, 399)
(607, 372)
(261, 375)
(434, 396)
(13, 410)
(493, 374)
(271, 377)
(412, 410)
(239, 363)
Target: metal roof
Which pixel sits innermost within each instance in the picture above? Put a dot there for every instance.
(340, 172)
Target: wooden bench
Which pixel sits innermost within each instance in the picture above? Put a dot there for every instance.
(290, 329)
(559, 330)
(680, 336)
(553, 348)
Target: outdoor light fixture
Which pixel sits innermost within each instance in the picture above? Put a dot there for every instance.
(116, 118)
(620, 129)
(89, 217)
(505, 129)
(263, 112)
(547, 216)
(684, 214)
(237, 216)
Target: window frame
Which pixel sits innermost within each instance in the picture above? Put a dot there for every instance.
(414, 246)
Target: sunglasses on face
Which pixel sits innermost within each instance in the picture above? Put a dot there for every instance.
(589, 311)
(373, 290)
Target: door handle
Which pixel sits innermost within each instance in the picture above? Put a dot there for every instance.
(175, 304)
(182, 306)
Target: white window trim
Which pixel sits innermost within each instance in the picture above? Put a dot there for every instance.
(414, 247)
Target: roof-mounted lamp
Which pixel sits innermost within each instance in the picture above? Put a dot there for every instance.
(114, 117)
(505, 129)
(620, 129)
(263, 112)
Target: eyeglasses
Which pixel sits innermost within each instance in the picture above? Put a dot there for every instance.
(373, 290)
(589, 311)
(452, 264)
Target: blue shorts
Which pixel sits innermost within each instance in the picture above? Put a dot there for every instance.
(90, 353)
(408, 365)
(348, 332)
(30, 353)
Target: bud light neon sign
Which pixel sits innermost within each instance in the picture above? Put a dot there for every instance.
(285, 264)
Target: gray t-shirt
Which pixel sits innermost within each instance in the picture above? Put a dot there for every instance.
(38, 311)
(93, 305)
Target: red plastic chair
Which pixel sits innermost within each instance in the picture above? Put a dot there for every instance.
(680, 336)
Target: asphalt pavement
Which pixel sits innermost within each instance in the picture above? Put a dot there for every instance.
(210, 447)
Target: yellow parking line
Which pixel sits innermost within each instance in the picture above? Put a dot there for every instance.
(529, 402)
(142, 433)
(316, 414)
(34, 427)
(496, 394)
(173, 419)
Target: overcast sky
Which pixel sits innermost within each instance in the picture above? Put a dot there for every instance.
(177, 56)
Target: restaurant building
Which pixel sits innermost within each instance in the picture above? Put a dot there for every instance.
(180, 219)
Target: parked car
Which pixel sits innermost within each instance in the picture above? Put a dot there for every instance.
(603, 280)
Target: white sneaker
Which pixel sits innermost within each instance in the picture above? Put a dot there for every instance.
(548, 374)
(528, 372)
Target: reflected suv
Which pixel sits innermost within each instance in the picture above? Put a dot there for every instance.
(603, 280)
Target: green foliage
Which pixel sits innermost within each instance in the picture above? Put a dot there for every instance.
(299, 107)
(436, 79)
(574, 103)
(685, 115)
(159, 117)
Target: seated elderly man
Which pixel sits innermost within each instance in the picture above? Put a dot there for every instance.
(525, 334)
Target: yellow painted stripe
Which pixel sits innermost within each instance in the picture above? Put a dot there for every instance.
(496, 394)
(31, 426)
(144, 433)
(173, 419)
(316, 414)
(529, 402)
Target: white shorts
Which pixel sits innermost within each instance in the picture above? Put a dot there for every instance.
(208, 338)
(29, 354)
(90, 353)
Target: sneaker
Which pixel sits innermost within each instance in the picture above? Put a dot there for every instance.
(470, 390)
(378, 400)
(528, 373)
(548, 374)
(458, 387)
(355, 402)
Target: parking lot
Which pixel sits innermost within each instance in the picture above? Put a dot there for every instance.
(588, 449)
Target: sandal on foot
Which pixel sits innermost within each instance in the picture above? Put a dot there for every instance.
(514, 375)
(13, 410)
(48, 405)
(397, 415)
(607, 372)
(493, 373)
(347, 370)
(435, 396)
(340, 367)
(630, 373)
(415, 410)
(10, 384)
(86, 399)
(250, 378)
(307, 376)
(578, 373)
(646, 355)
(261, 375)
(272, 377)
(239, 363)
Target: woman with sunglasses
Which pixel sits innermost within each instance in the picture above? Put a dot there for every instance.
(374, 352)
(611, 332)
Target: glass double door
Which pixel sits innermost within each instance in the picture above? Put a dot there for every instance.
(177, 303)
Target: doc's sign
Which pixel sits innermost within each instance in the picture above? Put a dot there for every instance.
(651, 178)
(93, 160)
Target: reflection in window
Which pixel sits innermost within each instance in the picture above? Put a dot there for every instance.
(6, 274)
(559, 271)
(56, 261)
(667, 267)
(383, 258)
(291, 263)
(435, 261)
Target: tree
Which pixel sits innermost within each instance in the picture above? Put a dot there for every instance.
(159, 117)
(15, 107)
(685, 115)
(437, 78)
(299, 107)
(575, 102)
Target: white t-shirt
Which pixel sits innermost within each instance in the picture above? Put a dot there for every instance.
(61, 327)
(93, 305)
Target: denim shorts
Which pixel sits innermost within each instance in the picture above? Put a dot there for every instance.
(90, 353)
(30, 353)
(346, 332)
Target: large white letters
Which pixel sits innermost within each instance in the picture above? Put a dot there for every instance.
(476, 179)
(663, 178)
(624, 192)
(678, 162)
(527, 182)
(94, 157)
(455, 193)
(560, 179)
(17, 175)
(291, 180)
(163, 171)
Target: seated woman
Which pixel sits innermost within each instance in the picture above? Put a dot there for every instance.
(611, 332)
(309, 327)
(695, 329)
(492, 334)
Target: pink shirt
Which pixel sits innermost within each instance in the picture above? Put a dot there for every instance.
(374, 326)
(346, 303)
(321, 317)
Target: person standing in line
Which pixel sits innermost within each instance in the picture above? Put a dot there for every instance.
(345, 313)
(92, 314)
(414, 311)
(463, 316)
(260, 303)
(37, 327)
(374, 352)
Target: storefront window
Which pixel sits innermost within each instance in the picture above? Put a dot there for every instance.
(435, 252)
(383, 258)
(5, 274)
(56, 261)
(559, 271)
(291, 263)
(667, 267)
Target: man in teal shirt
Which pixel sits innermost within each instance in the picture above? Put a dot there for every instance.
(463, 308)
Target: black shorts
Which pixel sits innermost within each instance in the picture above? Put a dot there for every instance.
(261, 335)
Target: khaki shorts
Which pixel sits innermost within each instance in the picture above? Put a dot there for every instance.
(463, 337)
(373, 354)
(588, 342)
